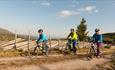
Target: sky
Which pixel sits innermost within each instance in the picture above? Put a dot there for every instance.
(56, 17)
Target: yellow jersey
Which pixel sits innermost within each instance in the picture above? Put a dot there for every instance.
(74, 36)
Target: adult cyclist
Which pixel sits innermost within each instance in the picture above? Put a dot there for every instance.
(73, 36)
(98, 39)
(42, 40)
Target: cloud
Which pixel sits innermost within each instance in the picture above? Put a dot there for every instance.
(96, 11)
(45, 4)
(89, 9)
(66, 13)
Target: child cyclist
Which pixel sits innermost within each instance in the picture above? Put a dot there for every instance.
(97, 37)
(41, 41)
(73, 37)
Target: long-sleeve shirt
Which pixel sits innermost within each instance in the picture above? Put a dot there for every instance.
(73, 36)
(98, 38)
(42, 38)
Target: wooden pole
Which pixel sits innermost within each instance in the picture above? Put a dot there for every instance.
(50, 43)
(15, 40)
(58, 42)
(29, 45)
(28, 42)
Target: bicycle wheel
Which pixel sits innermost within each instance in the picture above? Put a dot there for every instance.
(39, 50)
(66, 50)
(91, 52)
(45, 50)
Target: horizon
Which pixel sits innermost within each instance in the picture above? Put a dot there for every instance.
(56, 17)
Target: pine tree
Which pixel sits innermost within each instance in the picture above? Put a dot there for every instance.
(81, 30)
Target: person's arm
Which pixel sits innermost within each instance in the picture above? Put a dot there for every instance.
(68, 35)
(93, 38)
(101, 39)
(43, 38)
(40, 39)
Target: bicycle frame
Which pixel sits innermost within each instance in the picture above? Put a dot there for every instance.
(92, 50)
(94, 47)
(43, 48)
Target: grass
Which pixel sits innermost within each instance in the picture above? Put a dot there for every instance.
(38, 61)
(20, 52)
(107, 66)
(9, 53)
(6, 37)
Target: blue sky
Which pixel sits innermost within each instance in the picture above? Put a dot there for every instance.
(56, 17)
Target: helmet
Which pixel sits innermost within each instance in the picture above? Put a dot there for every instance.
(40, 30)
(72, 29)
(97, 30)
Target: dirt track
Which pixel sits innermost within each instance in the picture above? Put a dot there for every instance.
(52, 63)
(73, 64)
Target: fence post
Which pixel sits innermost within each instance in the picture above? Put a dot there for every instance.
(14, 47)
(50, 43)
(29, 45)
(58, 43)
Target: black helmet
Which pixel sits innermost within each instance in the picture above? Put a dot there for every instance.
(72, 29)
(97, 30)
(40, 30)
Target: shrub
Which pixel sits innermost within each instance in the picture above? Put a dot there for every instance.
(106, 46)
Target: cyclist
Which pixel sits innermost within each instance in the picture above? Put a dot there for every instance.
(73, 37)
(42, 40)
(98, 41)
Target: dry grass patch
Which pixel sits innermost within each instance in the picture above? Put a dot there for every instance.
(9, 53)
(107, 66)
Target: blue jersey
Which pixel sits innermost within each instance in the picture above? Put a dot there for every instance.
(98, 38)
(42, 38)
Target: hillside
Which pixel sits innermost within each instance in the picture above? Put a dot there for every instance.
(6, 35)
(26, 37)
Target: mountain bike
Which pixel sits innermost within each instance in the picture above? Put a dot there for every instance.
(68, 48)
(41, 49)
(92, 51)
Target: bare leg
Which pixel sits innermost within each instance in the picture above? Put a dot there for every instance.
(35, 49)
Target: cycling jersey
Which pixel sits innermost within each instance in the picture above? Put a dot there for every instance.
(42, 38)
(98, 38)
(73, 36)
